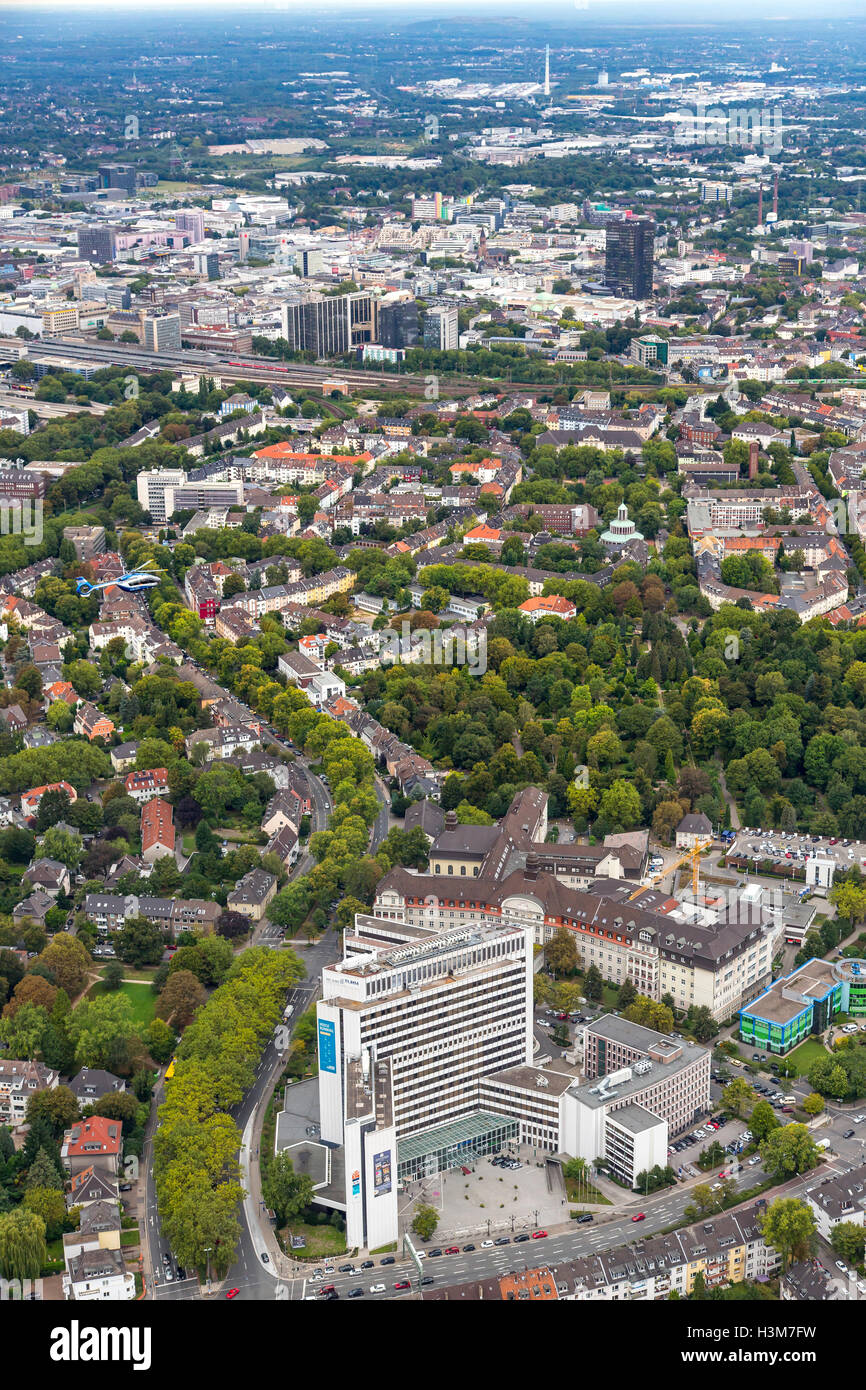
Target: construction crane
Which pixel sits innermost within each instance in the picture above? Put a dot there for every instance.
(694, 855)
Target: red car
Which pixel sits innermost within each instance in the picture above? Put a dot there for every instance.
(452, 1250)
(538, 1235)
(232, 1293)
(641, 1216)
(402, 1284)
(562, 1015)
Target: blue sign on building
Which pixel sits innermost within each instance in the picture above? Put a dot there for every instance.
(327, 1046)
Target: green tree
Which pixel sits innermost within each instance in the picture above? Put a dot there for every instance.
(788, 1225)
(813, 1104)
(44, 1173)
(593, 984)
(738, 1095)
(561, 954)
(425, 1221)
(847, 1241)
(789, 1151)
(160, 1041)
(140, 942)
(763, 1120)
(69, 962)
(183, 995)
(49, 1204)
(286, 1192)
(22, 1244)
(59, 1106)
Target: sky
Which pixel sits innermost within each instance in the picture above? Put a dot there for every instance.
(622, 10)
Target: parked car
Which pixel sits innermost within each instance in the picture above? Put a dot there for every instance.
(584, 1217)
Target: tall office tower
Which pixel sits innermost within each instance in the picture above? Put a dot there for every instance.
(192, 222)
(331, 325)
(243, 245)
(309, 262)
(547, 70)
(151, 487)
(118, 176)
(398, 325)
(207, 263)
(410, 1023)
(712, 192)
(440, 329)
(162, 332)
(628, 257)
(164, 491)
(97, 244)
(603, 78)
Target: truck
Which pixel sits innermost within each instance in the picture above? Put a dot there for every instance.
(288, 1011)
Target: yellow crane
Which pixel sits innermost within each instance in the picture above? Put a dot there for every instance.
(694, 855)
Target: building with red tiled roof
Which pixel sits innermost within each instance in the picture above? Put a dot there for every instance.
(483, 533)
(143, 785)
(60, 690)
(92, 1143)
(92, 723)
(157, 829)
(30, 799)
(548, 606)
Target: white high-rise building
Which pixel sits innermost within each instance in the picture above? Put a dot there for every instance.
(547, 70)
(410, 1022)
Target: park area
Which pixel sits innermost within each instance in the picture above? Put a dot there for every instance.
(805, 1056)
(320, 1242)
(140, 996)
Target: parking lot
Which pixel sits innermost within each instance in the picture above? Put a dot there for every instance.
(794, 847)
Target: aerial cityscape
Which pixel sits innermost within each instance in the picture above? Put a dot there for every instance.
(432, 660)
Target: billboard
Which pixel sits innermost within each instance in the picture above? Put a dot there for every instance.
(327, 1046)
(356, 1183)
(382, 1173)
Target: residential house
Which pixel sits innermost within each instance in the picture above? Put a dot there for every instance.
(90, 1185)
(49, 875)
(253, 893)
(19, 1080)
(123, 756)
(143, 785)
(95, 1142)
(92, 722)
(694, 831)
(91, 1083)
(98, 1275)
(157, 829)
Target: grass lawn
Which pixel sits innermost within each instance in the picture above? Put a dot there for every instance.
(319, 1241)
(140, 996)
(577, 1191)
(130, 1237)
(803, 1056)
(143, 973)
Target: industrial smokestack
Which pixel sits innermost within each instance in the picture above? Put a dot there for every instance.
(776, 196)
(761, 205)
(547, 70)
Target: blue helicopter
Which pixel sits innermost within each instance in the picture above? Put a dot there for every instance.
(131, 583)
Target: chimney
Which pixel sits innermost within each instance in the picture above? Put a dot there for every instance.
(531, 870)
(776, 195)
(761, 205)
(753, 458)
(450, 820)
